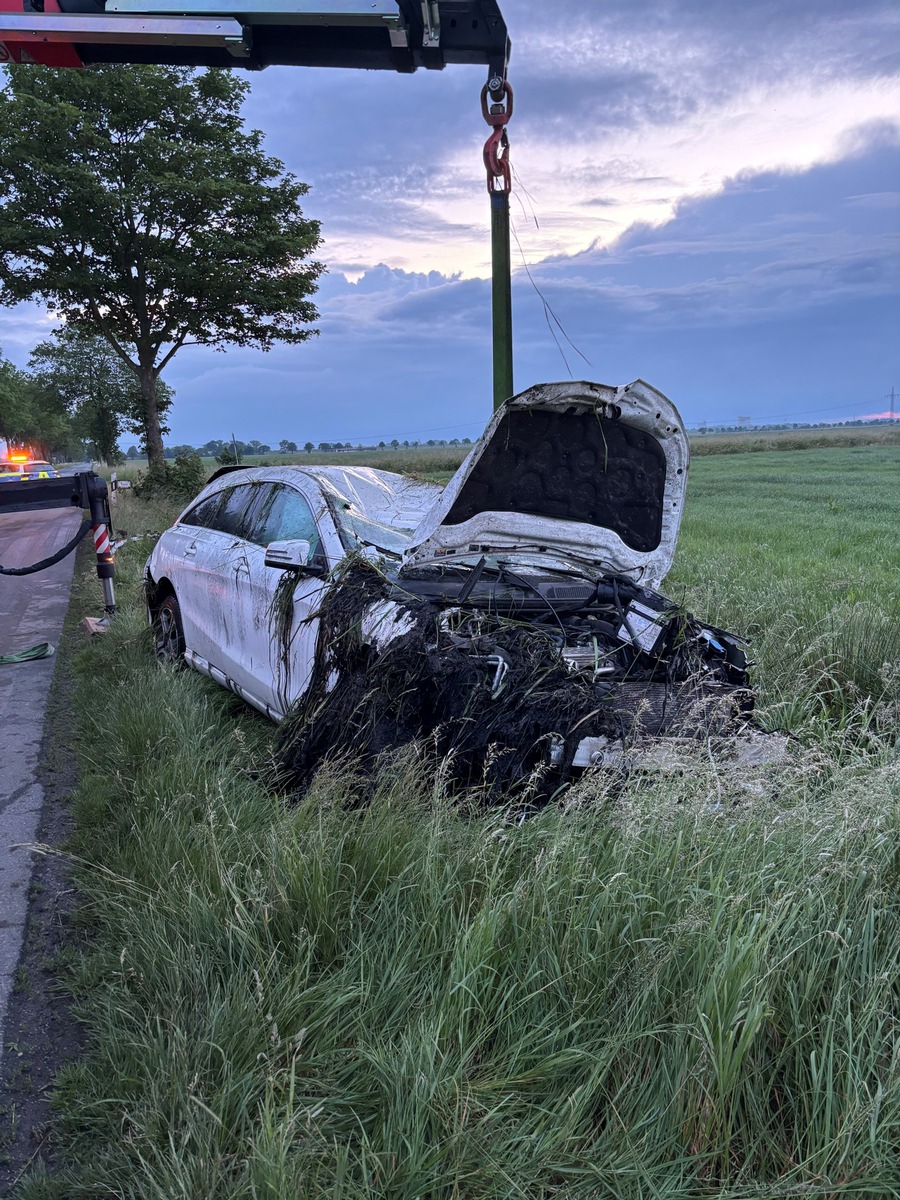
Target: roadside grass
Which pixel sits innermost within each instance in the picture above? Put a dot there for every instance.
(666, 987)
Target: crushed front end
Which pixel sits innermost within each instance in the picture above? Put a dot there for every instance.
(514, 682)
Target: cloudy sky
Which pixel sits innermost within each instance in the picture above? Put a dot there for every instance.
(706, 197)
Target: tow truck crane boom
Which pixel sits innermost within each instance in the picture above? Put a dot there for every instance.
(392, 35)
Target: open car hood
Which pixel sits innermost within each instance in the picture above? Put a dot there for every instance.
(577, 472)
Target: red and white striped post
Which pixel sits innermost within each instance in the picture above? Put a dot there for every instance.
(100, 522)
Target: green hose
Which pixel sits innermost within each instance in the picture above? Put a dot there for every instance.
(41, 650)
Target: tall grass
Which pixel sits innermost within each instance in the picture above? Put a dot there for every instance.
(679, 989)
(800, 551)
(664, 987)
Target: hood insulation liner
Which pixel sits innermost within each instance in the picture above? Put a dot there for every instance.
(570, 466)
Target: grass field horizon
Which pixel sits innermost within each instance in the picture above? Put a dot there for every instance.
(660, 988)
(443, 460)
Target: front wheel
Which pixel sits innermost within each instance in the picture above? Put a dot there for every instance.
(169, 632)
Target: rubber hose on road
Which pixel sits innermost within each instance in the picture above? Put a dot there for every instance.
(54, 558)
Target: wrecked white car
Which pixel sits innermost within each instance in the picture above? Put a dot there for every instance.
(510, 622)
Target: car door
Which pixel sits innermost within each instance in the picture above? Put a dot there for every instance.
(205, 586)
(181, 553)
(220, 563)
(284, 604)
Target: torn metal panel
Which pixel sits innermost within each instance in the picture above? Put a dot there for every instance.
(747, 750)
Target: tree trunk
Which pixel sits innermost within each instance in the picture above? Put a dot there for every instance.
(152, 431)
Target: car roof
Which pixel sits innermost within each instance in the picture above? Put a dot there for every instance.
(385, 496)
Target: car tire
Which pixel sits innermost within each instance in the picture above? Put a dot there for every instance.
(168, 632)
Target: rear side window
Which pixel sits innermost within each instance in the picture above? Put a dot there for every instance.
(231, 517)
(285, 516)
(204, 513)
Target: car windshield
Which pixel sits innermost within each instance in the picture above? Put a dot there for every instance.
(358, 531)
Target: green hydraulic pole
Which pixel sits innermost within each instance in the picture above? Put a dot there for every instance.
(501, 298)
(496, 108)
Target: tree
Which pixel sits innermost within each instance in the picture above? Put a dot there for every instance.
(134, 202)
(34, 416)
(308, 447)
(97, 389)
(12, 402)
(287, 447)
(131, 453)
(231, 454)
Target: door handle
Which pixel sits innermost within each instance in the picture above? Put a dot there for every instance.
(191, 550)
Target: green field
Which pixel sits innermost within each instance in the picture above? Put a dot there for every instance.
(663, 987)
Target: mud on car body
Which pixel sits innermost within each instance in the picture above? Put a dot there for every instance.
(511, 621)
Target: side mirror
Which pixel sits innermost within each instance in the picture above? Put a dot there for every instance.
(292, 556)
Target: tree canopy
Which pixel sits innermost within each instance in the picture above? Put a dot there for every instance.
(137, 206)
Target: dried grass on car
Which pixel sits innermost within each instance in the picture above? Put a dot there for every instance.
(508, 731)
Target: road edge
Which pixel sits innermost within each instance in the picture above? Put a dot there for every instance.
(41, 1033)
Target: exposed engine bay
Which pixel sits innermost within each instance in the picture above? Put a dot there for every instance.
(512, 679)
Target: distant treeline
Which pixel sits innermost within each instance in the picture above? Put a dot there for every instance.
(224, 449)
(702, 430)
(227, 449)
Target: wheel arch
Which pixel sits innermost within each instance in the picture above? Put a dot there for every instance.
(156, 591)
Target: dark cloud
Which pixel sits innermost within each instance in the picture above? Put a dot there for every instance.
(375, 146)
(584, 69)
(769, 244)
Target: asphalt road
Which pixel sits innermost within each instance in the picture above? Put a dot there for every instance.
(32, 610)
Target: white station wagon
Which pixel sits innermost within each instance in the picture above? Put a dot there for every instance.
(563, 520)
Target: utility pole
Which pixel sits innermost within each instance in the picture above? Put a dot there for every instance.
(892, 397)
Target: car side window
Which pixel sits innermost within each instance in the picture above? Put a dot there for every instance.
(204, 513)
(285, 516)
(230, 518)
